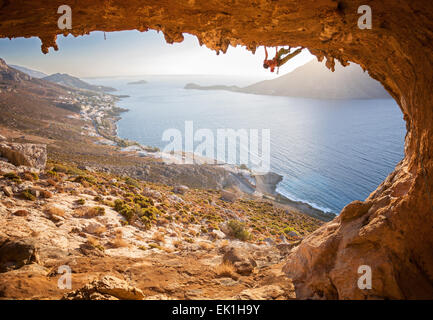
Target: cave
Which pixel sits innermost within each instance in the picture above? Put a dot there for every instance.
(391, 231)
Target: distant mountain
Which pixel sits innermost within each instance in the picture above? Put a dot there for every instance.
(30, 72)
(138, 82)
(216, 87)
(313, 80)
(10, 75)
(76, 83)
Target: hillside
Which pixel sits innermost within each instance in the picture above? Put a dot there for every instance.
(74, 82)
(30, 72)
(313, 80)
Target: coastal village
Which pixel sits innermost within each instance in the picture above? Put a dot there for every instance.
(98, 108)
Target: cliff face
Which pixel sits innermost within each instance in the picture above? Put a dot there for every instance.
(391, 230)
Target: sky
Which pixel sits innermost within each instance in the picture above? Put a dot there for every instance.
(134, 53)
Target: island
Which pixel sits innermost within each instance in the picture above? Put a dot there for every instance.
(314, 81)
(137, 82)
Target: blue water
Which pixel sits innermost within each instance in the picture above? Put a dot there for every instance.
(329, 152)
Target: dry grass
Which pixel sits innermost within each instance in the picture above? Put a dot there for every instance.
(93, 241)
(118, 241)
(51, 182)
(55, 211)
(95, 211)
(80, 212)
(192, 233)
(178, 244)
(225, 269)
(224, 243)
(138, 237)
(163, 221)
(89, 212)
(100, 230)
(206, 246)
(28, 176)
(167, 250)
(158, 237)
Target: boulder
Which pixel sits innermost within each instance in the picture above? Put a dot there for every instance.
(25, 154)
(107, 288)
(241, 259)
(228, 196)
(6, 167)
(93, 228)
(180, 189)
(21, 213)
(269, 241)
(218, 234)
(285, 248)
(7, 191)
(16, 253)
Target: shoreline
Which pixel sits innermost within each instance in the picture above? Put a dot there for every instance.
(104, 120)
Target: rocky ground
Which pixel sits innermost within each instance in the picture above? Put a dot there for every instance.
(124, 235)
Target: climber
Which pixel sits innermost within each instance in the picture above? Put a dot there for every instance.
(278, 61)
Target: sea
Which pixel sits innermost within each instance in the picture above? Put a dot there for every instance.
(329, 152)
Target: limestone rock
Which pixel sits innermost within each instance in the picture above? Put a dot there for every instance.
(7, 191)
(16, 253)
(107, 288)
(242, 260)
(228, 196)
(25, 154)
(218, 234)
(180, 189)
(21, 213)
(7, 167)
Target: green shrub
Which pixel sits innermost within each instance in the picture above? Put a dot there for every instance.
(124, 209)
(154, 246)
(130, 212)
(82, 178)
(238, 230)
(30, 176)
(81, 202)
(287, 230)
(12, 176)
(132, 182)
(143, 202)
(68, 170)
(52, 174)
(26, 194)
(99, 211)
